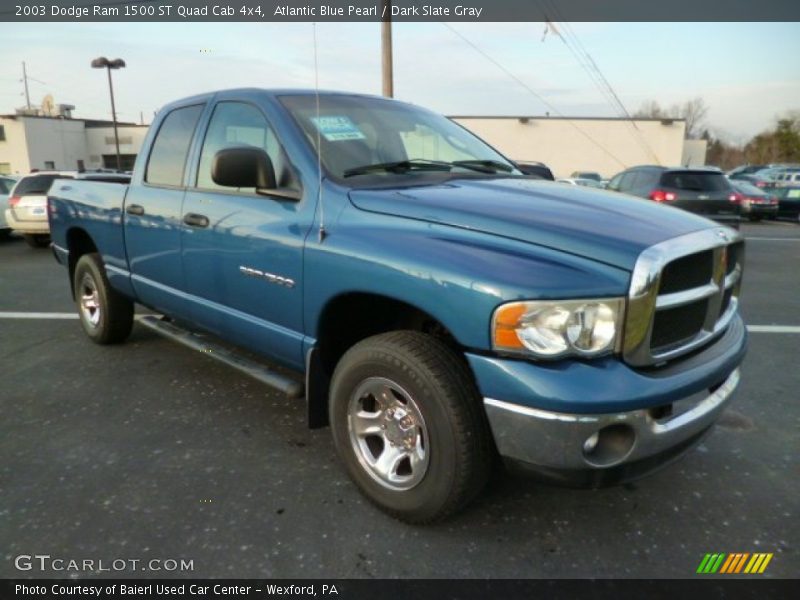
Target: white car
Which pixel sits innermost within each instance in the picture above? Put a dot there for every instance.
(580, 181)
(6, 183)
(27, 203)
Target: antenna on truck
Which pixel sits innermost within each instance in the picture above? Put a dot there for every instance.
(319, 144)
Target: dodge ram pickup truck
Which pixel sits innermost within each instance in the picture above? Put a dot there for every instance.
(432, 305)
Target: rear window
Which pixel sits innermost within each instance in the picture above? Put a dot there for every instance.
(696, 181)
(36, 185)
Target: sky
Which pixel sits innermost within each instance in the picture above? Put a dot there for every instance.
(747, 73)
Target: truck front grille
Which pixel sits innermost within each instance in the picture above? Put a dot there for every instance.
(683, 294)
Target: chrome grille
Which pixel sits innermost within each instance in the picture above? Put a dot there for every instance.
(683, 294)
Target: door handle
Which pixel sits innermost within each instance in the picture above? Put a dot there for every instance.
(195, 220)
(135, 209)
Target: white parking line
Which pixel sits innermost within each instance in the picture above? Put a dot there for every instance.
(37, 315)
(773, 328)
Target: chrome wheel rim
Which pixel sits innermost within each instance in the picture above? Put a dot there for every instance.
(388, 434)
(89, 301)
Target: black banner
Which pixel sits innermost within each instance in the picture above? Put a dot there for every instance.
(730, 588)
(398, 10)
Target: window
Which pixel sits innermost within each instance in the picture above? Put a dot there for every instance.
(126, 161)
(615, 181)
(5, 168)
(4, 188)
(168, 156)
(36, 185)
(698, 181)
(2, 133)
(240, 124)
(49, 164)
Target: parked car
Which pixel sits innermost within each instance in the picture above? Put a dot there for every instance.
(705, 192)
(760, 179)
(434, 305)
(535, 168)
(586, 175)
(789, 202)
(787, 178)
(755, 203)
(27, 203)
(6, 183)
(746, 170)
(593, 183)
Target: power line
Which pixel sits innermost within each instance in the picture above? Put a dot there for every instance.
(536, 95)
(589, 65)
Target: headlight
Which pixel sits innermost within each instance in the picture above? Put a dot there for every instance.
(556, 328)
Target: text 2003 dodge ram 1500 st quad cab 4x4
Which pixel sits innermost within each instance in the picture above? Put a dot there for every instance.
(442, 306)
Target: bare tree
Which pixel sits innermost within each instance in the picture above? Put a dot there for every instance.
(692, 111)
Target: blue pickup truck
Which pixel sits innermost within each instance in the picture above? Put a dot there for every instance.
(434, 306)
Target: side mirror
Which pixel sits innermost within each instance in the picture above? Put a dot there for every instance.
(243, 167)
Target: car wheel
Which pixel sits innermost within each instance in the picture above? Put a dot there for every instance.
(409, 426)
(106, 316)
(37, 240)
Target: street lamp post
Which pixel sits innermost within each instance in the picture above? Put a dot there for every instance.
(117, 63)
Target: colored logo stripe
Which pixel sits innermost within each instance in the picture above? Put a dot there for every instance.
(735, 563)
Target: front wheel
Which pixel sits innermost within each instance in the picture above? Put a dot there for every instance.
(106, 316)
(409, 427)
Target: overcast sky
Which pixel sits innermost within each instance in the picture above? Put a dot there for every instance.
(748, 73)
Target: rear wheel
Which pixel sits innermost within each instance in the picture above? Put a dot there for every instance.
(409, 427)
(106, 316)
(37, 240)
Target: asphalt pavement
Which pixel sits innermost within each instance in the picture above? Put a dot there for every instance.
(148, 450)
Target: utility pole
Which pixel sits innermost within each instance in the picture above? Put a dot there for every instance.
(108, 65)
(25, 80)
(386, 47)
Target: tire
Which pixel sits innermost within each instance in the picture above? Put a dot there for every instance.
(106, 316)
(424, 397)
(37, 240)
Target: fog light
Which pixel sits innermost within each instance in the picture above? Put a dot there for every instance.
(591, 442)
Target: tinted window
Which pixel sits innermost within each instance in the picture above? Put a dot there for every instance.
(37, 185)
(239, 124)
(615, 181)
(168, 156)
(626, 181)
(4, 189)
(697, 181)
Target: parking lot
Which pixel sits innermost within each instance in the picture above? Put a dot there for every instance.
(149, 450)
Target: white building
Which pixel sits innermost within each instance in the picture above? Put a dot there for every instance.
(604, 145)
(29, 142)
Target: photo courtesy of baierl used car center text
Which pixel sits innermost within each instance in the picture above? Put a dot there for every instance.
(442, 300)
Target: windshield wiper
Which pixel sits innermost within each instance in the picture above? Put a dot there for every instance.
(400, 166)
(485, 166)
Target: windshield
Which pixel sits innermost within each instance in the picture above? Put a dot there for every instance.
(362, 136)
(698, 181)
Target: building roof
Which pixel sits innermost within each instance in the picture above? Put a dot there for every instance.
(86, 122)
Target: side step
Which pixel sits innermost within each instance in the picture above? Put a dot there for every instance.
(290, 387)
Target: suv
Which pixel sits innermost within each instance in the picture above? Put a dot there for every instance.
(27, 204)
(702, 191)
(6, 183)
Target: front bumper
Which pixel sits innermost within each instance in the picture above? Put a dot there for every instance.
(576, 448)
(599, 422)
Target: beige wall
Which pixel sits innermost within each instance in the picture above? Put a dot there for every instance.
(565, 145)
(14, 150)
(60, 141)
(100, 140)
(31, 142)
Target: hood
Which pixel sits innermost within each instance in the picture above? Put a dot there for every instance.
(596, 224)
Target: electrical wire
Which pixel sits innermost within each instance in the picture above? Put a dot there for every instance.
(535, 94)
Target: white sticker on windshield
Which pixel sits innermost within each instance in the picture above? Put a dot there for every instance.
(337, 129)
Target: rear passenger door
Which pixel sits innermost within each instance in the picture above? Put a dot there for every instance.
(153, 214)
(243, 251)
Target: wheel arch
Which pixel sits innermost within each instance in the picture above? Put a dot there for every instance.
(79, 243)
(345, 320)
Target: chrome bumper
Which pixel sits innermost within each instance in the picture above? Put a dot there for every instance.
(597, 442)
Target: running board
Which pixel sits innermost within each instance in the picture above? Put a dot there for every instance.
(287, 385)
